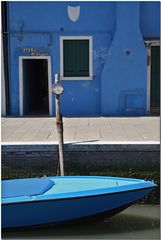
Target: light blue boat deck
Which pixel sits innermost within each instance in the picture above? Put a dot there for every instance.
(37, 189)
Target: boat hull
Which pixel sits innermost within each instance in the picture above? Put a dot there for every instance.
(58, 211)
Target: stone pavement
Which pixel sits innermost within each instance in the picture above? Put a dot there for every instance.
(31, 144)
(92, 130)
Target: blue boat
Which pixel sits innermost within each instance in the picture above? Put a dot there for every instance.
(31, 202)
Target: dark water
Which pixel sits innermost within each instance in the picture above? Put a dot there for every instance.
(136, 222)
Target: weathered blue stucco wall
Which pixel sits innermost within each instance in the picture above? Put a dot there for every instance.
(124, 73)
(119, 79)
(150, 19)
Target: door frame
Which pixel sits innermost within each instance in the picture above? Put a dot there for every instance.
(21, 58)
(149, 44)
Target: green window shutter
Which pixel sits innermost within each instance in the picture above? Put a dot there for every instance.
(69, 58)
(76, 58)
(83, 58)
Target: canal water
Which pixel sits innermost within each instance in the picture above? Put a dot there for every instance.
(136, 222)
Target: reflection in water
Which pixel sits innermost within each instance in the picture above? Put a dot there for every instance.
(136, 222)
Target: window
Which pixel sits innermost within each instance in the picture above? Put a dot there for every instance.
(76, 58)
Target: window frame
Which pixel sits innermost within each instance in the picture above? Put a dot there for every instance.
(90, 38)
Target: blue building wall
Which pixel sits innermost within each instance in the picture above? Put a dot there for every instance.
(124, 74)
(119, 79)
(150, 19)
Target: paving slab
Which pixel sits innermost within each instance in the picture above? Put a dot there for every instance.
(100, 129)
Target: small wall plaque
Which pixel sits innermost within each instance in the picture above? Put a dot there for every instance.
(73, 13)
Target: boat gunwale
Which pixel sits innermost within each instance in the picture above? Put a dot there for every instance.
(74, 197)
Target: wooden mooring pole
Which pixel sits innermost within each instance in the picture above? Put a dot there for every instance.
(59, 124)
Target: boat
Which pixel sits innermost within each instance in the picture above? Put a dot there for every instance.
(33, 202)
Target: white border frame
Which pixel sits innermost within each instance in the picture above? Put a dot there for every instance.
(149, 43)
(90, 38)
(21, 58)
